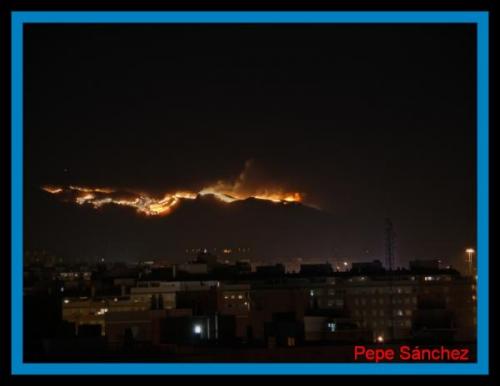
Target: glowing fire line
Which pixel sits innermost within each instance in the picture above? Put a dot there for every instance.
(97, 197)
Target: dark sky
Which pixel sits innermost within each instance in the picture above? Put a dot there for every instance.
(368, 121)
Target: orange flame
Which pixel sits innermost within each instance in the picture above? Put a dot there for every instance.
(52, 189)
(223, 191)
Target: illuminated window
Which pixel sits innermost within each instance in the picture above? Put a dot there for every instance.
(332, 327)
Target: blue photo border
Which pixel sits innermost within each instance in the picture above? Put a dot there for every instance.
(480, 19)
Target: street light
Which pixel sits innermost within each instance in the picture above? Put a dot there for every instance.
(469, 252)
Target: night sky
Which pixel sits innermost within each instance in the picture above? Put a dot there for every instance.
(368, 121)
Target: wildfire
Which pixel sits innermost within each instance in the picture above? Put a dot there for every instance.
(287, 197)
(90, 190)
(52, 190)
(152, 206)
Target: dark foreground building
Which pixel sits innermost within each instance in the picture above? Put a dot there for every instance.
(267, 309)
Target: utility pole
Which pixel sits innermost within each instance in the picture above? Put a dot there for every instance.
(468, 261)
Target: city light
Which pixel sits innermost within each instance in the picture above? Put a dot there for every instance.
(332, 327)
(197, 329)
(380, 339)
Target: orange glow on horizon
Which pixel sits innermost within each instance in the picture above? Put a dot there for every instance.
(97, 197)
(52, 190)
(152, 206)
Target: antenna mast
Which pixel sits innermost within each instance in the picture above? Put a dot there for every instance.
(389, 245)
